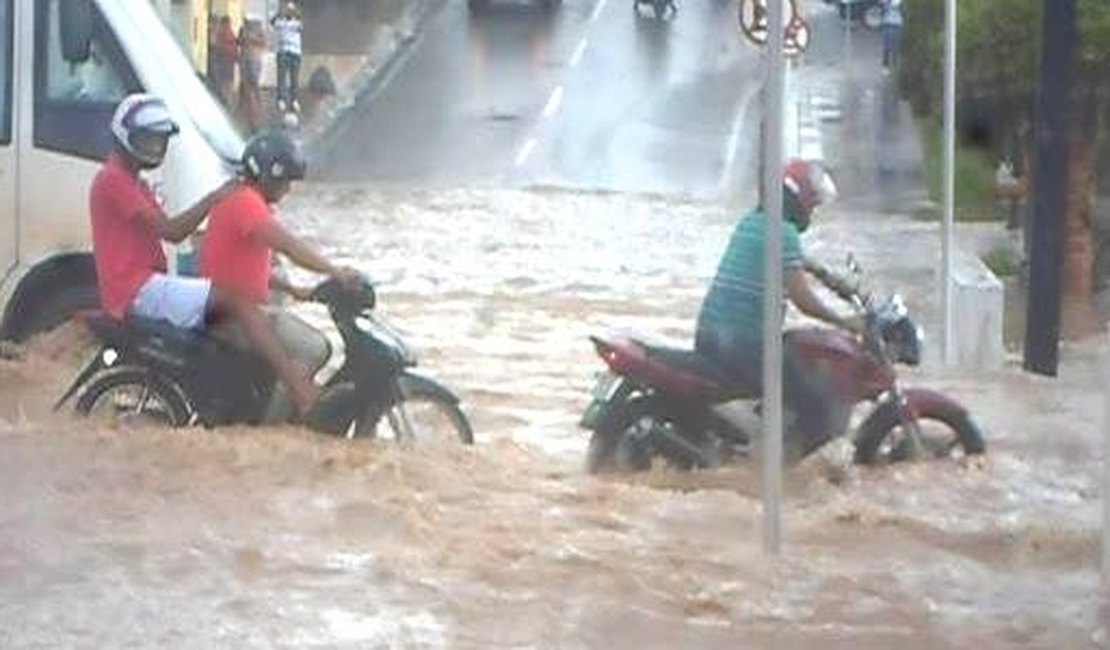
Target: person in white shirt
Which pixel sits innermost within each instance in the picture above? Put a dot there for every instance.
(287, 32)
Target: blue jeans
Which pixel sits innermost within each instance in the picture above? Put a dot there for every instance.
(288, 71)
(805, 393)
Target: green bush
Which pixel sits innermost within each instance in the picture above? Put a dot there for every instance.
(974, 176)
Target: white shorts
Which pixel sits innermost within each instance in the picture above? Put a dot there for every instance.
(180, 300)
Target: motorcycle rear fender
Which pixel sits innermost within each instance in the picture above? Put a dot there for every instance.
(95, 365)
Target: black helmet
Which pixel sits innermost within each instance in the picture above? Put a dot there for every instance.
(272, 159)
(142, 126)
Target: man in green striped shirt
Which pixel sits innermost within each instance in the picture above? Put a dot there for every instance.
(730, 324)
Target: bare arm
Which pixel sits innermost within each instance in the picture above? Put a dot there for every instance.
(809, 303)
(277, 283)
(176, 229)
(278, 238)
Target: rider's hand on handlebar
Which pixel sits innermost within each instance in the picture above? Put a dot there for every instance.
(853, 324)
(349, 277)
(303, 294)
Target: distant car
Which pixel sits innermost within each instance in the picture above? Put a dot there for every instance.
(478, 5)
(867, 12)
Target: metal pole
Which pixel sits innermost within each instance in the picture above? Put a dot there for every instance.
(1106, 473)
(949, 179)
(773, 104)
(1050, 190)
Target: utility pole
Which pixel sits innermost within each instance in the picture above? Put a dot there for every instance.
(1042, 332)
(774, 85)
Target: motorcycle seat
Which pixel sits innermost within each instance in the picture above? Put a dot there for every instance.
(687, 361)
(136, 328)
(692, 362)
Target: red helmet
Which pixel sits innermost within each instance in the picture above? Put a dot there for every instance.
(805, 185)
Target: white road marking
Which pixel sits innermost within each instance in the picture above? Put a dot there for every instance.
(576, 58)
(553, 102)
(597, 10)
(734, 135)
(525, 151)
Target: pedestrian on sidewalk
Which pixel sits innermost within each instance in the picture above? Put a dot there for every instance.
(892, 23)
(225, 59)
(252, 44)
(287, 31)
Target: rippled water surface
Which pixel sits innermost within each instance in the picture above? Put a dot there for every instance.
(280, 538)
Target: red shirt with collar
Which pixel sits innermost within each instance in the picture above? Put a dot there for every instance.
(126, 244)
(231, 255)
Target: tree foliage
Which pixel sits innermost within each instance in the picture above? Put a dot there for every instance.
(998, 51)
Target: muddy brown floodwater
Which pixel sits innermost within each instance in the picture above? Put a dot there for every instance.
(279, 538)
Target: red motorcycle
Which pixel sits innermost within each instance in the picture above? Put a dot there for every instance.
(663, 402)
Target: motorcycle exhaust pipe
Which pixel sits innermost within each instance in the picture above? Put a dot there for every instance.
(674, 445)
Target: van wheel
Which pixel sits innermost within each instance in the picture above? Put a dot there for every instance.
(55, 309)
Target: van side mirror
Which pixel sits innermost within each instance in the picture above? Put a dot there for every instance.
(75, 22)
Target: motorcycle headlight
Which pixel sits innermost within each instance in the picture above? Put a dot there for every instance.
(904, 340)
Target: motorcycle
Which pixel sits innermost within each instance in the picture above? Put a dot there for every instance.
(149, 370)
(665, 402)
(660, 8)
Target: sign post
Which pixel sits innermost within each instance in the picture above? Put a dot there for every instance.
(949, 180)
(756, 16)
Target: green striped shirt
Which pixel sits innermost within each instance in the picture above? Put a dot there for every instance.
(734, 303)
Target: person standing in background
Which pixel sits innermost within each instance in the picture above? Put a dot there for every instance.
(892, 32)
(287, 33)
(225, 59)
(252, 44)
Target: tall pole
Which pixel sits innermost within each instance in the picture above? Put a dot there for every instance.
(1106, 474)
(1046, 253)
(773, 105)
(949, 180)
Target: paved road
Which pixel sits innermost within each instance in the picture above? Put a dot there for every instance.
(589, 95)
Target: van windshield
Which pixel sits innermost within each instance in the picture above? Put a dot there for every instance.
(185, 83)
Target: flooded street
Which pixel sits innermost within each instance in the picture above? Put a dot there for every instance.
(280, 538)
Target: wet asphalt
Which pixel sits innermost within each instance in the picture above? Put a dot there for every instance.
(590, 95)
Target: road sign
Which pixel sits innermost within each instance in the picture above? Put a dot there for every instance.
(753, 24)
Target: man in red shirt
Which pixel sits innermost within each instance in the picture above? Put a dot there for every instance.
(243, 233)
(128, 226)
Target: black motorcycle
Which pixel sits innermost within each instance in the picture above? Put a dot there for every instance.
(151, 371)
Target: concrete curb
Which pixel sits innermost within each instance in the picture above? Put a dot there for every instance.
(387, 47)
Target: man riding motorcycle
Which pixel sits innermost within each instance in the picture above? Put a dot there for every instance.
(128, 226)
(242, 235)
(730, 323)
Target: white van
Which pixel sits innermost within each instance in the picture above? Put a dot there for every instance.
(64, 65)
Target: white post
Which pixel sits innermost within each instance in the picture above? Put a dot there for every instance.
(1106, 474)
(949, 179)
(773, 104)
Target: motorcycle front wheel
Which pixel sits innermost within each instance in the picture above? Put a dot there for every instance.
(883, 439)
(130, 395)
(418, 415)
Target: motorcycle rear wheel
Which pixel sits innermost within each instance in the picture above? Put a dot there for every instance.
(881, 439)
(627, 446)
(130, 394)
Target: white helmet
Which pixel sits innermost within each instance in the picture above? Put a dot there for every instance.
(142, 126)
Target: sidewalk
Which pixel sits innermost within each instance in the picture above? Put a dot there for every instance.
(351, 43)
(844, 110)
